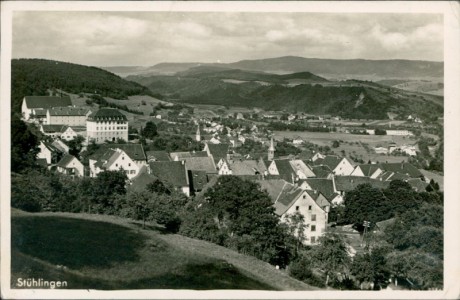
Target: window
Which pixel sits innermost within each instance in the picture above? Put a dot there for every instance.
(313, 217)
(313, 239)
(305, 196)
(123, 158)
(309, 207)
(133, 171)
(313, 227)
(116, 165)
(129, 165)
(296, 208)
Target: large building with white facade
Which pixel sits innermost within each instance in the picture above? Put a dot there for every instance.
(72, 116)
(106, 124)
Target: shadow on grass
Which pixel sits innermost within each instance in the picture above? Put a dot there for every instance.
(157, 228)
(215, 275)
(75, 243)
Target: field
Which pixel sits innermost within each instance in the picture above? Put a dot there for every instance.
(352, 144)
(105, 252)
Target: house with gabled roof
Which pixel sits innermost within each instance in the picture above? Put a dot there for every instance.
(200, 163)
(345, 184)
(49, 152)
(70, 165)
(244, 167)
(134, 151)
(61, 146)
(402, 168)
(173, 173)
(283, 168)
(31, 104)
(113, 159)
(368, 170)
(301, 169)
(217, 151)
(289, 199)
(71, 116)
(325, 186)
(54, 131)
(340, 166)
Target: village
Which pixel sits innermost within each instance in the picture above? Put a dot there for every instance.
(309, 183)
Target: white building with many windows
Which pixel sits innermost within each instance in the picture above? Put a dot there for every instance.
(106, 124)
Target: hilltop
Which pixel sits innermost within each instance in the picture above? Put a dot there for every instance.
(38, 76)
(114, 253)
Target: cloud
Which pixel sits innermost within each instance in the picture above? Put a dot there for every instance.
(146, 38)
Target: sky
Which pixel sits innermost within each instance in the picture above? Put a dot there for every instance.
(148, 38)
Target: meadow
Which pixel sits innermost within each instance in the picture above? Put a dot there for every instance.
(106, 252)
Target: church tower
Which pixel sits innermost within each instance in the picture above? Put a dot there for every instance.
(271, 150)
(198, 134)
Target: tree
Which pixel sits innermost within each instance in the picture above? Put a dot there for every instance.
(296, 227)
(366, 203)
(331, 256)
(106, 185)
(141, 205)
(75, 145)
(335, 144)
(371, 267)
(150, 130)
(24, 146)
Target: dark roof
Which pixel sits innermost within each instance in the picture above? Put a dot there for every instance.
(182, 155)
(273, 187)
(286, 199)
(47, 101)
(218, 151)
(107, 158)
(140, 182)
(65, 160)
(134, 151)
(106, 114)
(158, 155)
(284, 169)
(51, 147)
(331, 161)
(348, 183)
(417, 184)
(321, 171)
(368, 169)
(324, 186)
(200, 164)
(68, 111)
(172, 172)
(402, 168)
(198, 180)
(54, 128)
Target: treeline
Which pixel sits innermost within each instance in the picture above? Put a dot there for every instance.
(37, 76)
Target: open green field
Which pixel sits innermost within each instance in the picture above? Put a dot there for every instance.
(326, 138)
(106, 252)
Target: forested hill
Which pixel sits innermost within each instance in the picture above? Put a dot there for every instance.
(37, 76)
(349, 99)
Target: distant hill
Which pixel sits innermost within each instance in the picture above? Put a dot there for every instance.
(328, 68)
(349, 99)
(397, 68)
(241, 75)
(37, 76)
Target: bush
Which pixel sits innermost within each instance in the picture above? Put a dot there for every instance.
(301, 269)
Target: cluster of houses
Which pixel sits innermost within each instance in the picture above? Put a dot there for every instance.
(309, 186)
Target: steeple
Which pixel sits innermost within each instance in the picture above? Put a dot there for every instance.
(198, 134)
(271, 150)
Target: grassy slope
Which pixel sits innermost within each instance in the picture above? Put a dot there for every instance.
(105, 252)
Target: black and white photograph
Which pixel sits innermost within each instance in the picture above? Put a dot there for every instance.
(230, 150)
